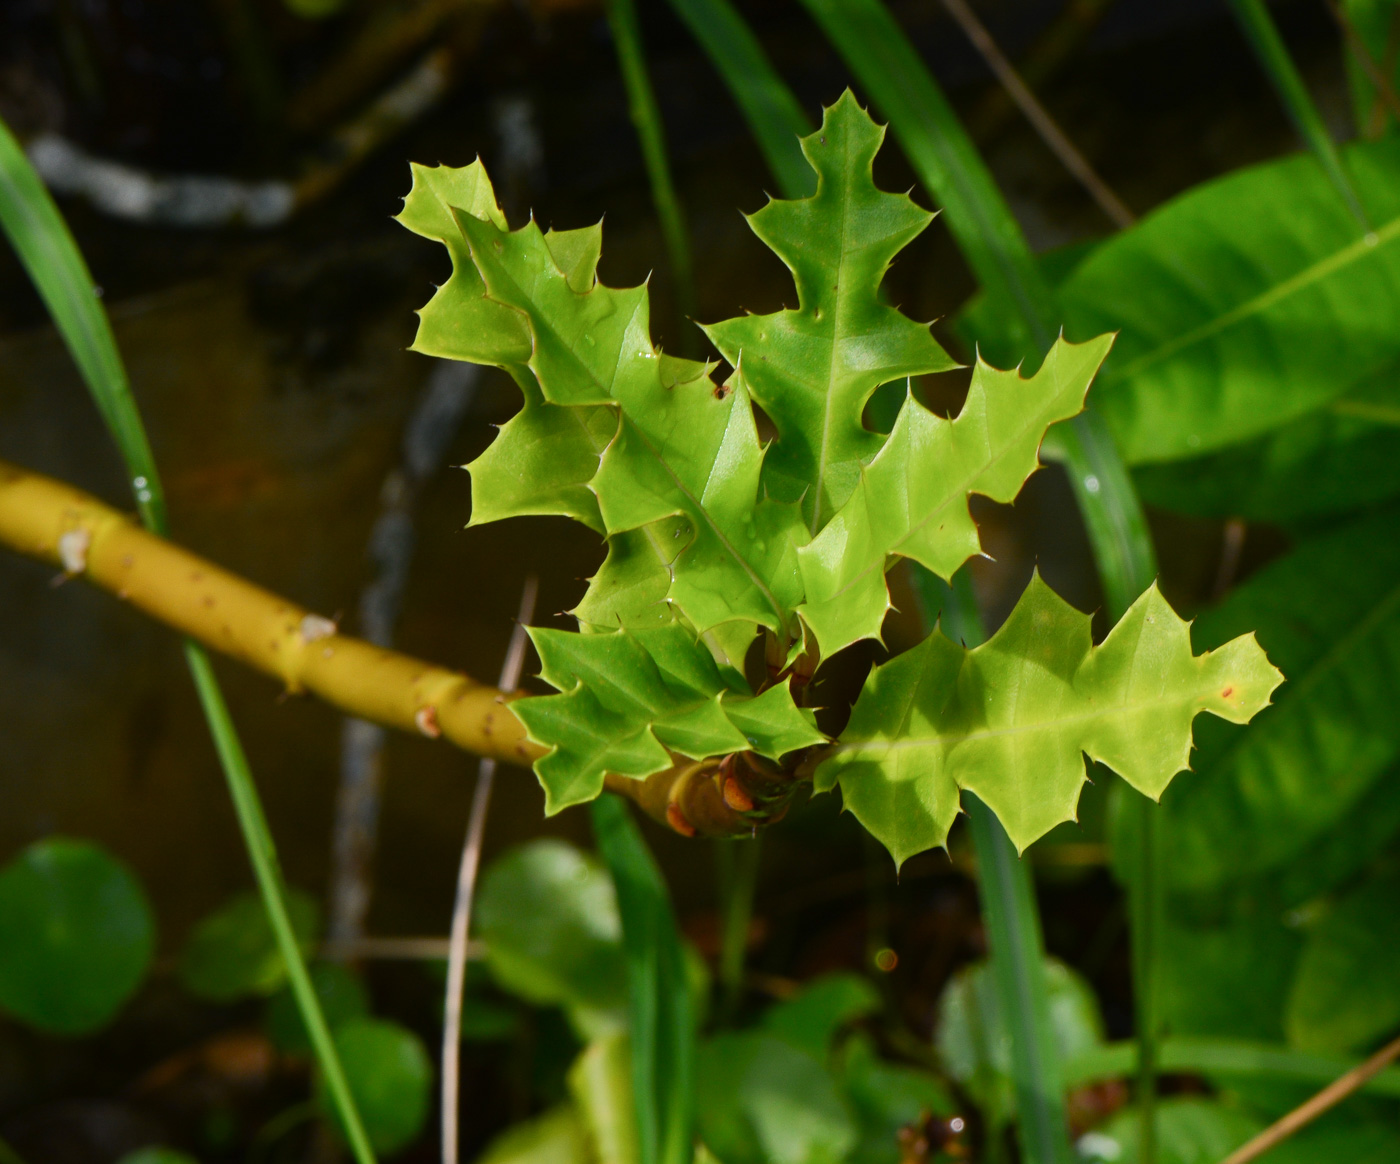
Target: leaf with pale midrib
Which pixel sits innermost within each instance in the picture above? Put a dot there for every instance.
(912, 499)
(1243, 303)
(1012, 719)
(813, 368)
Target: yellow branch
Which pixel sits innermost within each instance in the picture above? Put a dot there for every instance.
(56, 523)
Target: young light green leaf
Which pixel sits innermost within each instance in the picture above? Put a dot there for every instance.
(628, 696)
(912, 499)
(813, 368)
(545, 456)
(1012, 720)
(684, 447)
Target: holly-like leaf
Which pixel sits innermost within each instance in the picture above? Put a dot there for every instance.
(684, 447)
(912, 499)
(629, 696)
(812, 369)
(545, 456)
(1012, 720)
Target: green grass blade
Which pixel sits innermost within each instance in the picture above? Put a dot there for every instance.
(267, 871)
(646, 117)
(662, 1023)
(1263, 35)
(45, 246)
(1013, 923)
(774, 114)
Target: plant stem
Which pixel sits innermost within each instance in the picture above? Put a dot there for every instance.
(262, 853)
(1039, 117)
(65, 527)
(662, 1022)
(737, 865)
(651, 133)
(466, 893)
(1264, 38)
(1323, 1101)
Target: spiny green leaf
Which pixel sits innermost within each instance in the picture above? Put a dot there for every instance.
(545, 456)
(912, 499)
(813, 368)
(628, 696)
(684, 446)
(1011, 720)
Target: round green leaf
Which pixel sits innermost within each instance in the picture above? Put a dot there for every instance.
(390, 1077)
(342, 996)
(232, 953)
(548, 915)
(76, 936)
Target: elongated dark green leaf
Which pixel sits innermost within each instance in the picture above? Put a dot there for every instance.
(1345, 995)
(1344, 455)
(768, 105)
(1329, 615)
(1012, 720)
(1264, 38)
(912, 499)
(662, 1021)
(629, 696)
(813, 368)
(76, 936)
(1242, 304)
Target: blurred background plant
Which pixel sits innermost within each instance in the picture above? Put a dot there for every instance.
(1215, 181)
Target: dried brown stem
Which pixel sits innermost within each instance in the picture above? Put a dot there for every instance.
(1039, 117)
(56, 523)
(1324, 1100)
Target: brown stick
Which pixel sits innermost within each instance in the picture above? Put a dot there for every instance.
(1385, 91)
(56, 523)
(1328, 1097)
(1045, 125)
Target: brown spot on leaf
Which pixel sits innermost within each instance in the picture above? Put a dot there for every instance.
(1229, 691)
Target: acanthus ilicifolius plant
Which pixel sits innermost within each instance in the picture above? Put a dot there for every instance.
(715, 538)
